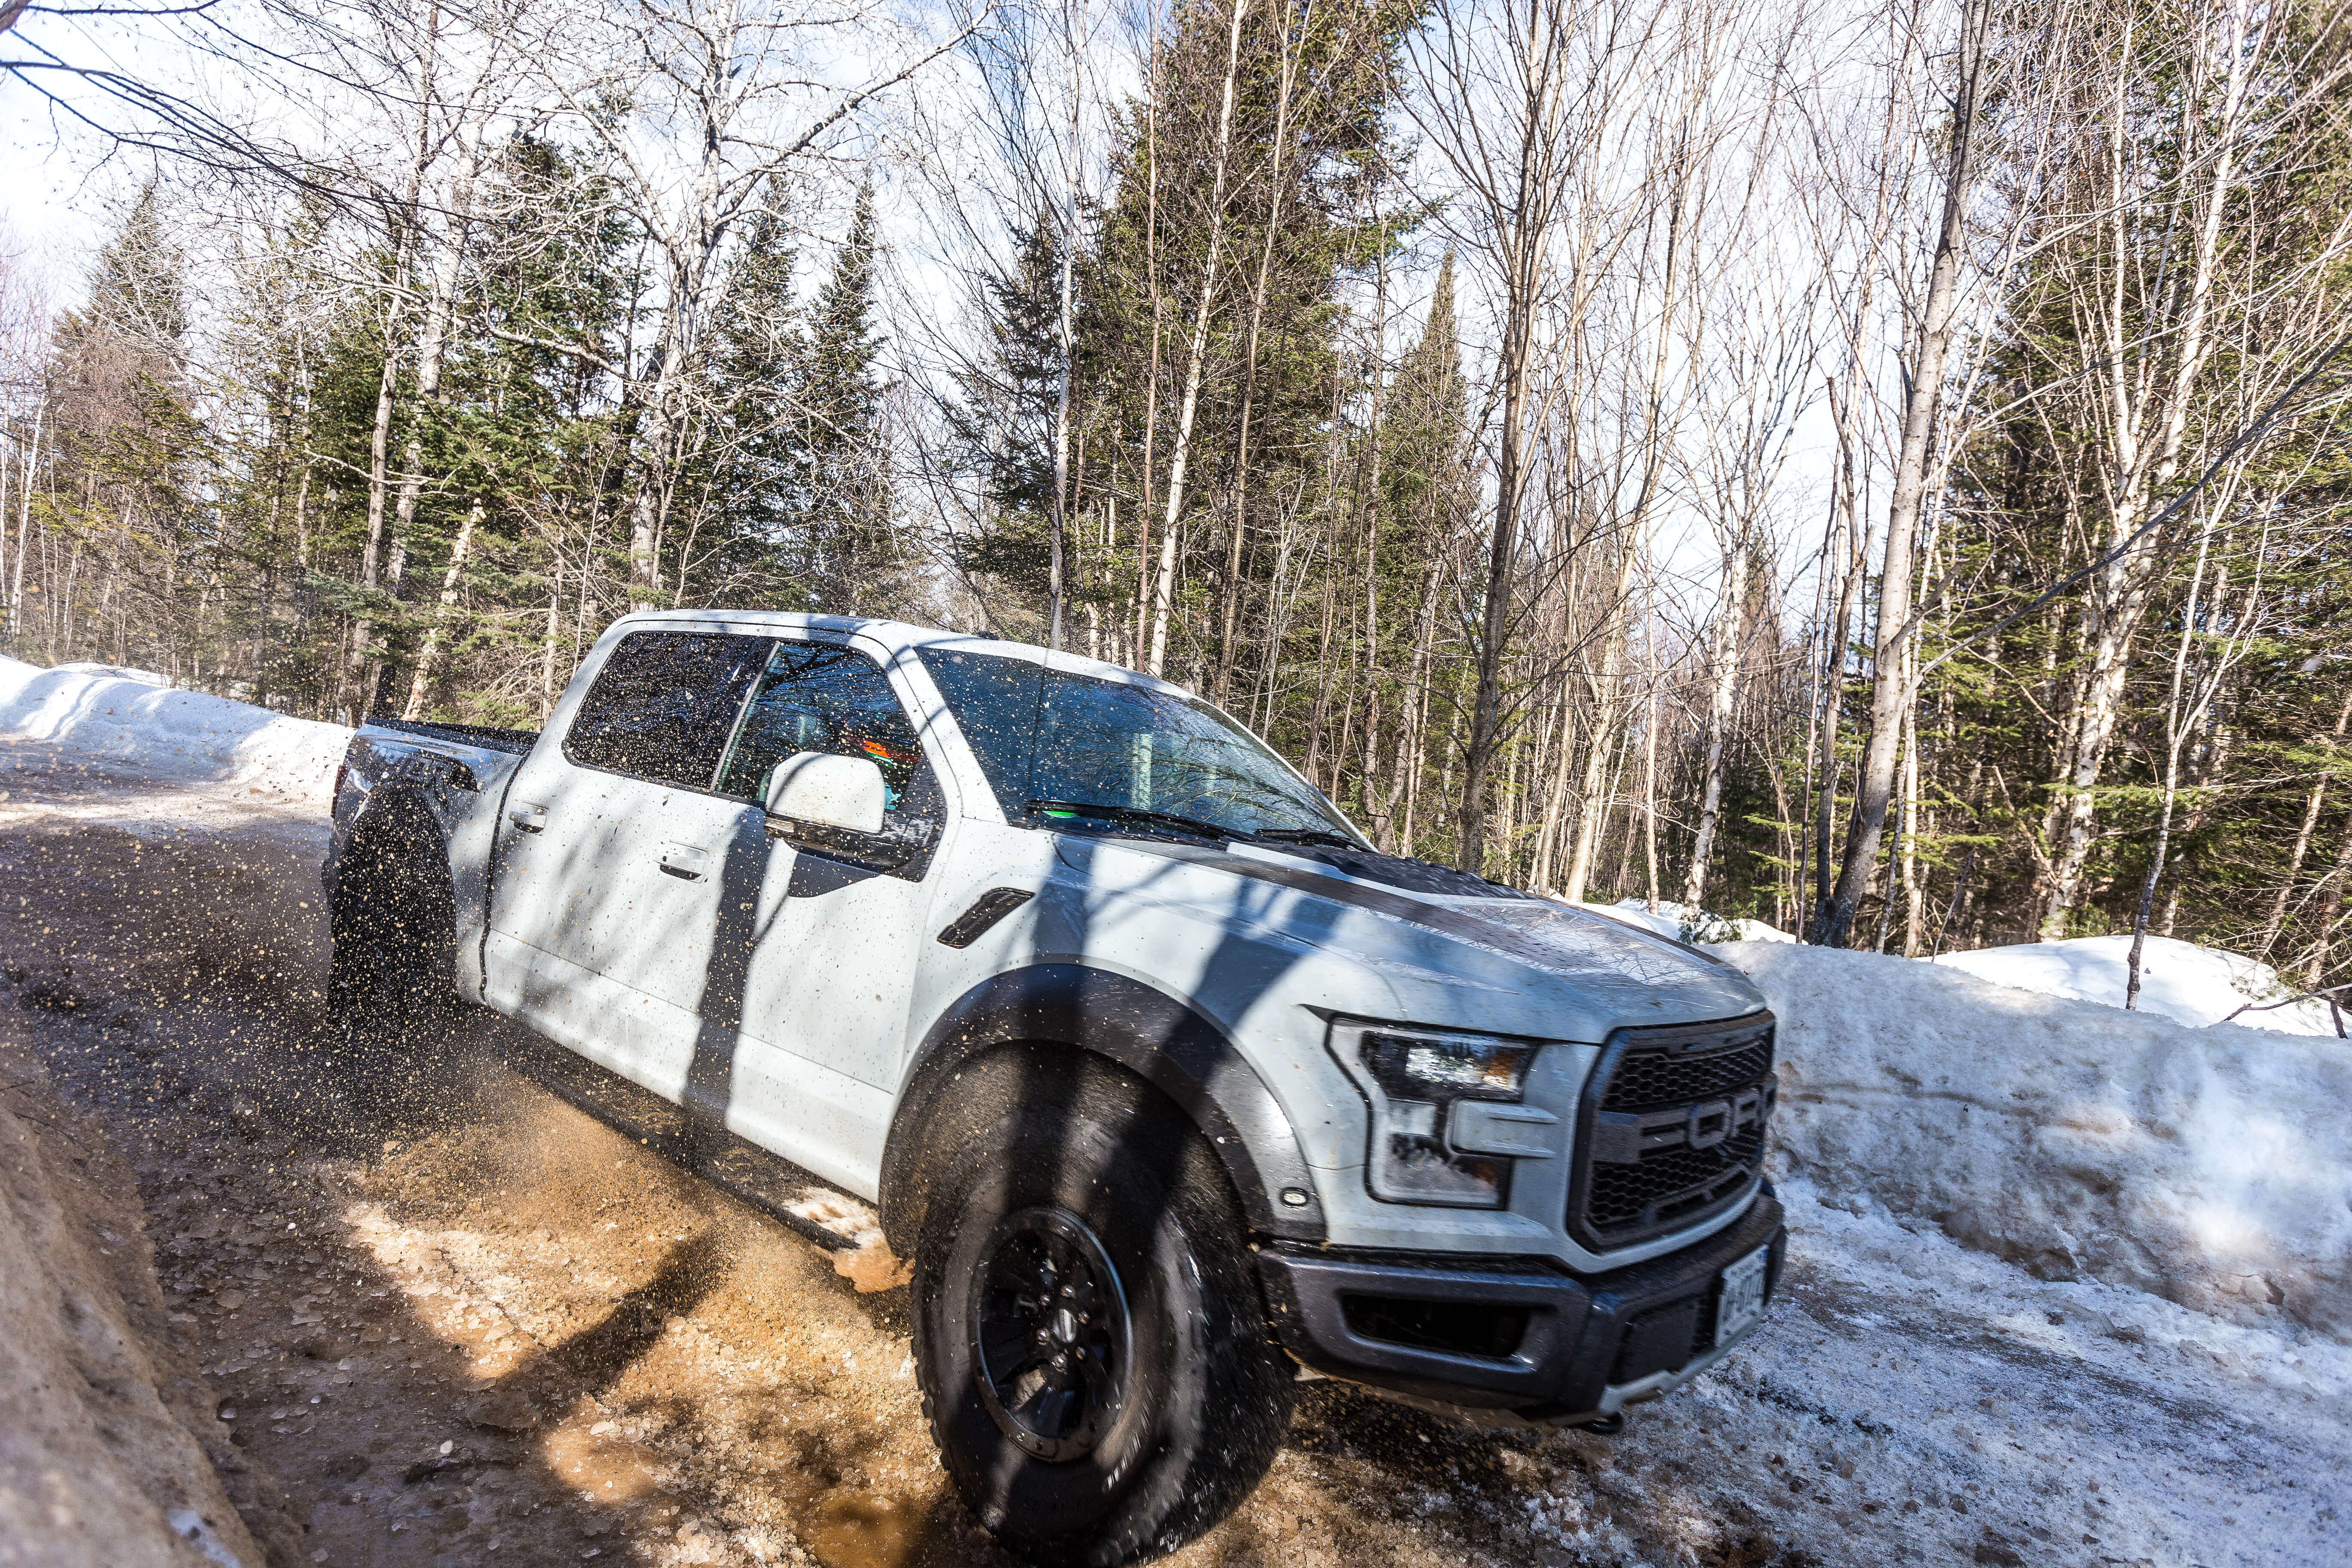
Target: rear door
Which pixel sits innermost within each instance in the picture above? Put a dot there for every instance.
(604, 919)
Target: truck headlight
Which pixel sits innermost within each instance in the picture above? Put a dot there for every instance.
(1434, 1139)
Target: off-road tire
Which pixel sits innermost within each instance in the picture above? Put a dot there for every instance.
(1078, 1158)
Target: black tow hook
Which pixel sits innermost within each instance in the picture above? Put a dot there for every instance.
(1607, 1426)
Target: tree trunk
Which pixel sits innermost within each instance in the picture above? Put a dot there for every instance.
(379, 443)
(1730, 637)
(25, 522)
(1907, 845)
(1227, 652)
(380, 436)
(428, 657)
(1650, 793)
(1592, 801)
(2315, 969)
(1924, 383)
(1065, 319)
(1196, 360)
(547, 649)
(431, 342)
(2311, 808)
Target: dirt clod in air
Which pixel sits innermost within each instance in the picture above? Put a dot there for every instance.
(872, 1267)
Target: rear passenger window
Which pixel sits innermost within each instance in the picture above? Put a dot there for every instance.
(663, 704)
(818, 697)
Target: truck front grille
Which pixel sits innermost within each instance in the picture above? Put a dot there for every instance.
(1671, 1130)
(1653, 1078)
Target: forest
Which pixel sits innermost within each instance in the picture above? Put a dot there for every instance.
(1877, 467)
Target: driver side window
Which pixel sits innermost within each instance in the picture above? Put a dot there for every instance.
(818, 697)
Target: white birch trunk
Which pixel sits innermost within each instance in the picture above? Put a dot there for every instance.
(1196, 361)
(1729, 639)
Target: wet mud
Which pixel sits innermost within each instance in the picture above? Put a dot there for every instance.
(469, 1301)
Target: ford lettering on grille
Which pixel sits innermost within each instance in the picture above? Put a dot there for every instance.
(1672, 1129)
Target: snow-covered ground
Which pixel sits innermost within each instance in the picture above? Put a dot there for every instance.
(2179, 980)
(1686, 923)
(126, 720)
(2068, 1284)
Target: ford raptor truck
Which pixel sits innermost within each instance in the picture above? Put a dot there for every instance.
(1175, 1090)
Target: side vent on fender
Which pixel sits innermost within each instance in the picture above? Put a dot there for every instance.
(986, 911)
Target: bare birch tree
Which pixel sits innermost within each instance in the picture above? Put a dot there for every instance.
(727, 100)
(1928, 346)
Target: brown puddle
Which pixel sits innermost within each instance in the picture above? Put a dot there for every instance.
(859, 1531)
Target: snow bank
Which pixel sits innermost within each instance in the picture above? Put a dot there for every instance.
(2211, 1166)
(1684, 923)
(119, 671)
(185, 736)
(2180, 980)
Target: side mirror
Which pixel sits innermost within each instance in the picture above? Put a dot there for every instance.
(828, 791)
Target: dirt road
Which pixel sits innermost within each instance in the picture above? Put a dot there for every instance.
(463, 1320)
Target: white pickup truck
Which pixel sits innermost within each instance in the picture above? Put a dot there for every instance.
(1173, 1089)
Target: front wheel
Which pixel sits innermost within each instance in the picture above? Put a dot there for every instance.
(1092, 1345)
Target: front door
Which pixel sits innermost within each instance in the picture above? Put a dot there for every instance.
(802, 1027)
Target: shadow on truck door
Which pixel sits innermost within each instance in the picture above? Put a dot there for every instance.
(710, 1073)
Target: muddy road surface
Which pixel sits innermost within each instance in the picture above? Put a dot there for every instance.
(470, 1301)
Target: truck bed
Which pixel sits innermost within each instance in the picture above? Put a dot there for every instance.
(517, 742)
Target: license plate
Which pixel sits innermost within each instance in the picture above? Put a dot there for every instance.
(1741, 1301)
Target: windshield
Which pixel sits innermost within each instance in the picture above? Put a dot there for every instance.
(1075, 741)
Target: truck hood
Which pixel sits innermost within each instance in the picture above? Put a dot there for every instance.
(1491, 959)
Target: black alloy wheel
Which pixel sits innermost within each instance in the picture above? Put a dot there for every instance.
(1050, 1334)
(1089, 1331)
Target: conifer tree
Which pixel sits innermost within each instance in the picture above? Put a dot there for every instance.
(121, 419)
(744, 483)
(848, 546)
(1003, 428)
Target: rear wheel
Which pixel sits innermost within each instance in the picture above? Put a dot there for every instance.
(1093, 1348)
(394, 927)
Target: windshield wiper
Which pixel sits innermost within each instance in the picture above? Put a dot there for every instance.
(1195, 827)
(1307, 836)
(1190, 826)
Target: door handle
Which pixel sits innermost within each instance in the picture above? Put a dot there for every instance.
(530, 818)
(683, 860)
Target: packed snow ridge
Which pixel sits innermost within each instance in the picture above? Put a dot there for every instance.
(1999, 1097)
(133, 720)
(2179, 980)
(2211, 1166)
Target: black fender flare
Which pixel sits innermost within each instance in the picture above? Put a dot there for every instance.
(1143, 1030)
(399, 781)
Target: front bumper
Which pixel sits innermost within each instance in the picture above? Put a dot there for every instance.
(1514, 1335)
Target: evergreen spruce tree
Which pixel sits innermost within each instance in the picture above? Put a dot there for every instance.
(744, 475)
(1004, 429)
(848, 546)
(1429, 414)
(136, 293)
(121, 419)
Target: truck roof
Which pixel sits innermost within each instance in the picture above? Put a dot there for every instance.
(896, 636)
